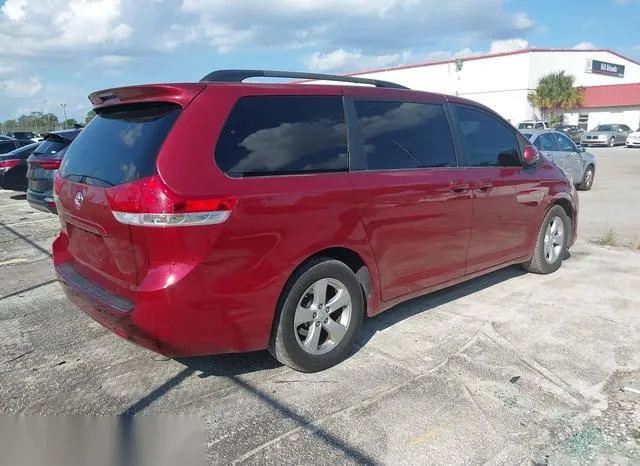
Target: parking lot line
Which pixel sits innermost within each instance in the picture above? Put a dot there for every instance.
(29, 222)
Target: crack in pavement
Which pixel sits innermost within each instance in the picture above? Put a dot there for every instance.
(314, 425)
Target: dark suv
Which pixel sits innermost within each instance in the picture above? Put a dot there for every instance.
(225, 216)
(28, 135)
(41, 166)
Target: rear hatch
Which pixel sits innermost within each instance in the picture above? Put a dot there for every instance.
(45, 160)
(109, 165)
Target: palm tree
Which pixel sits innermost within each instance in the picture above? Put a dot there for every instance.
(556, 91)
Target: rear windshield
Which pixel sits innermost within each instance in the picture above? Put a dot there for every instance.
(51, 146)
(120, 144)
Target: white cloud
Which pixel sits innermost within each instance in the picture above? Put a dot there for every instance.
(508, 45)
(113, 60)
(15, 10)
(331, 25)
(78, 36)
(636, 48)
(342, 59)
(584, 45)
(354, 61)
(22, 88)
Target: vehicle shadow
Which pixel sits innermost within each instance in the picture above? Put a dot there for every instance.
(431, 301)
(19, 197)
(232, 366)
(229, 365)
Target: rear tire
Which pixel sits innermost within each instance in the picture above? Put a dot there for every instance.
(318, 317)
(551, 243)
(587, 179)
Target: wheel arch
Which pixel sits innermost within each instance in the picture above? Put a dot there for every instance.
(351, 259)
(569, 208)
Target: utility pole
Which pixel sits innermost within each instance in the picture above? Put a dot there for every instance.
(64, 111)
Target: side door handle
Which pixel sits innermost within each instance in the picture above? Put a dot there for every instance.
(458, 186)
(484, 186)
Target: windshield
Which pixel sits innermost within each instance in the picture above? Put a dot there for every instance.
(604, 128)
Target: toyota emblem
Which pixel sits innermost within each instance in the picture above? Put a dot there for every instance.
(79, 199)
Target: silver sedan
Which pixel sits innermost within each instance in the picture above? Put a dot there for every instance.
(574, 160)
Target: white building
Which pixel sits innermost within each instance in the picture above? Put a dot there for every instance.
(502, 82)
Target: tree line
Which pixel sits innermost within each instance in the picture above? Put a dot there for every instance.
(39, 122)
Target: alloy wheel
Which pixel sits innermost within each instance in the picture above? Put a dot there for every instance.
(554, 240)
(322, 316)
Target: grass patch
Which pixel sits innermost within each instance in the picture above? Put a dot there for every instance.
(609, 238)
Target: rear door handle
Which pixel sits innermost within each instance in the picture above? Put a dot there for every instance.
(458, 186)
(484, 185)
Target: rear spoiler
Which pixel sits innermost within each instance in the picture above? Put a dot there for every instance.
(181, 94)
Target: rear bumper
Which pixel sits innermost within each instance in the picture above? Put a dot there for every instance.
(178, 320)
(42, 201)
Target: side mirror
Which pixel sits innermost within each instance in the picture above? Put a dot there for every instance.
(580, 149)
(531, 156)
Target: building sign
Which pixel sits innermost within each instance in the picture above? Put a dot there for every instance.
(602, 67)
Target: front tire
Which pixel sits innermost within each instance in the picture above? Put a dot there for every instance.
(551, 243)
(318, 317)
(587, 179)
(612, 142)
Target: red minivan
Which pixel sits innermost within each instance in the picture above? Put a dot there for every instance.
(228, 216)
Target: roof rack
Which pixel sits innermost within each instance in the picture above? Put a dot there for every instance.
(238, 76)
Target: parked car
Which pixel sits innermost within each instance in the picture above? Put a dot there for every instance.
(534, 124)
(41, 167)
(13, 167)
(633, 140)
(574, 132)
(225, 216)
(29, 135)
(606, 135)
(8, 145)
(574, 160)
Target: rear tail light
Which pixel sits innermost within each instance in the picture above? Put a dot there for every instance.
(148, 202)
(46, 164)
(6, 164)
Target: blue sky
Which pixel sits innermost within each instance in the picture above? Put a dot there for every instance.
(57, 51)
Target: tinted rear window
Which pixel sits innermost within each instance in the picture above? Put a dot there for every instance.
(279, 135)
(120, 144)
(51, 146)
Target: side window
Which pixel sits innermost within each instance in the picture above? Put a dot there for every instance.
(280, 135)
(564, 143)
(400, 135)
(546, 142)
(6, 146)
(626, 128)
(539, 126)
(488, 141)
